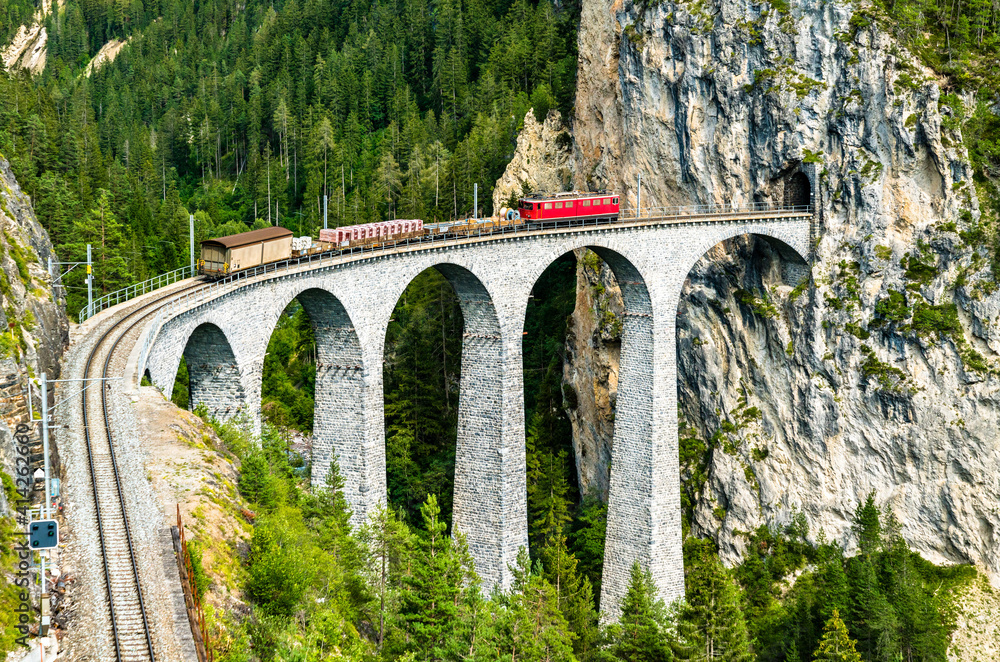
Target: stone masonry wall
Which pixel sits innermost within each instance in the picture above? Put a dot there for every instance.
(213, 373)
(493, 279)
(338, 425)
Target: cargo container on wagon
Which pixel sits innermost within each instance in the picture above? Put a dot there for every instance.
(225, 255)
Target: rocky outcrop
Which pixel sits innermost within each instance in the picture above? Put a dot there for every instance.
(597, 122)
(29, 48)
(880, 372)
(109, 51)
(590, 371)
(34, 327)
(543, 160)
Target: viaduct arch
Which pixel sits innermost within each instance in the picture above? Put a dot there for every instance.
(351, 302)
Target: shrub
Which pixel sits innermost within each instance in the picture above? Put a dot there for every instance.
(892, 309)
(941, 320)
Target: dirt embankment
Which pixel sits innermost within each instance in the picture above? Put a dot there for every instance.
(188, 467)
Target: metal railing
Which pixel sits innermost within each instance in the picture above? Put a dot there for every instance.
(196, 296)
(679, 211)
(132, 291)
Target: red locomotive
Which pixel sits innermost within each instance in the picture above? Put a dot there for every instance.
(555, 206)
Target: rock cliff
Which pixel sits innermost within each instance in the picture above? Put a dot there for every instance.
(590, 371)
(34, 328)
(877, 373)
(29, 48)
(542, 161)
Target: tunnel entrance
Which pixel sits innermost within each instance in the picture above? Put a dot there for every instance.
(797, 191)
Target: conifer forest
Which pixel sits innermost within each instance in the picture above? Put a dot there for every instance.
(248, 114)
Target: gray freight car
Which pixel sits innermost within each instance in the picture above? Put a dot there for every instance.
(226, 255)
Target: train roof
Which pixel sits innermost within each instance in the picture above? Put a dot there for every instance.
(247, 238)
(566, 194)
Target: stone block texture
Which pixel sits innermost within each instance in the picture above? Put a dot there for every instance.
(214, 376)
(350, 301)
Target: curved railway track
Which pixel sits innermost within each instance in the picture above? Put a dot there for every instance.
(130, 628)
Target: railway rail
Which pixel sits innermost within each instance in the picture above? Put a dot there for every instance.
(131, 633)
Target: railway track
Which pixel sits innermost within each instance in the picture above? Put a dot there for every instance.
(131, 633)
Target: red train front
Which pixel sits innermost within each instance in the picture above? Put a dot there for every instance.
(575, 204)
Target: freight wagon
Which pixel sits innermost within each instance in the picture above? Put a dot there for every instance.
(371, 234)
(225, 255)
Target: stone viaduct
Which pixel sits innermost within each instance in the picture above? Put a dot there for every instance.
(351, 299)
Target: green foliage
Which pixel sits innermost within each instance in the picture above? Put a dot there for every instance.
(857, 331)
(836, 645)
(423, 351)
(771, 555)
(435, 587)
(694, 459)
(799, 289)
(641, 633)
(892, 309)
(13, 14)
(392, 110)
(711, 622)
(888, 378)
(589, 528)
(940, 320)
(389, 592)
(812, 157)
(859, 21)
(279, 570)
(201, 578)
(182, 390)
(918, 271)
(534, 629)
(760, 305)
(10, 592)
(289, 381)
(21, 258)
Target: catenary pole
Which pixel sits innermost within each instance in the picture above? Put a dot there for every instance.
(90, 284)
(45, 441)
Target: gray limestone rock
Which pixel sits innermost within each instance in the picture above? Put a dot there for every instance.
(880, 373)
(40, 331)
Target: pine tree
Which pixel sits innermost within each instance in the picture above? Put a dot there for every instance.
(872, 618)
(386, 540)
(535, 627)
(836, 645)
(831, 579)
(641, 632)
(328, 513)
(440, 574)
(108, 239)
(575, 596)
(712, 625)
